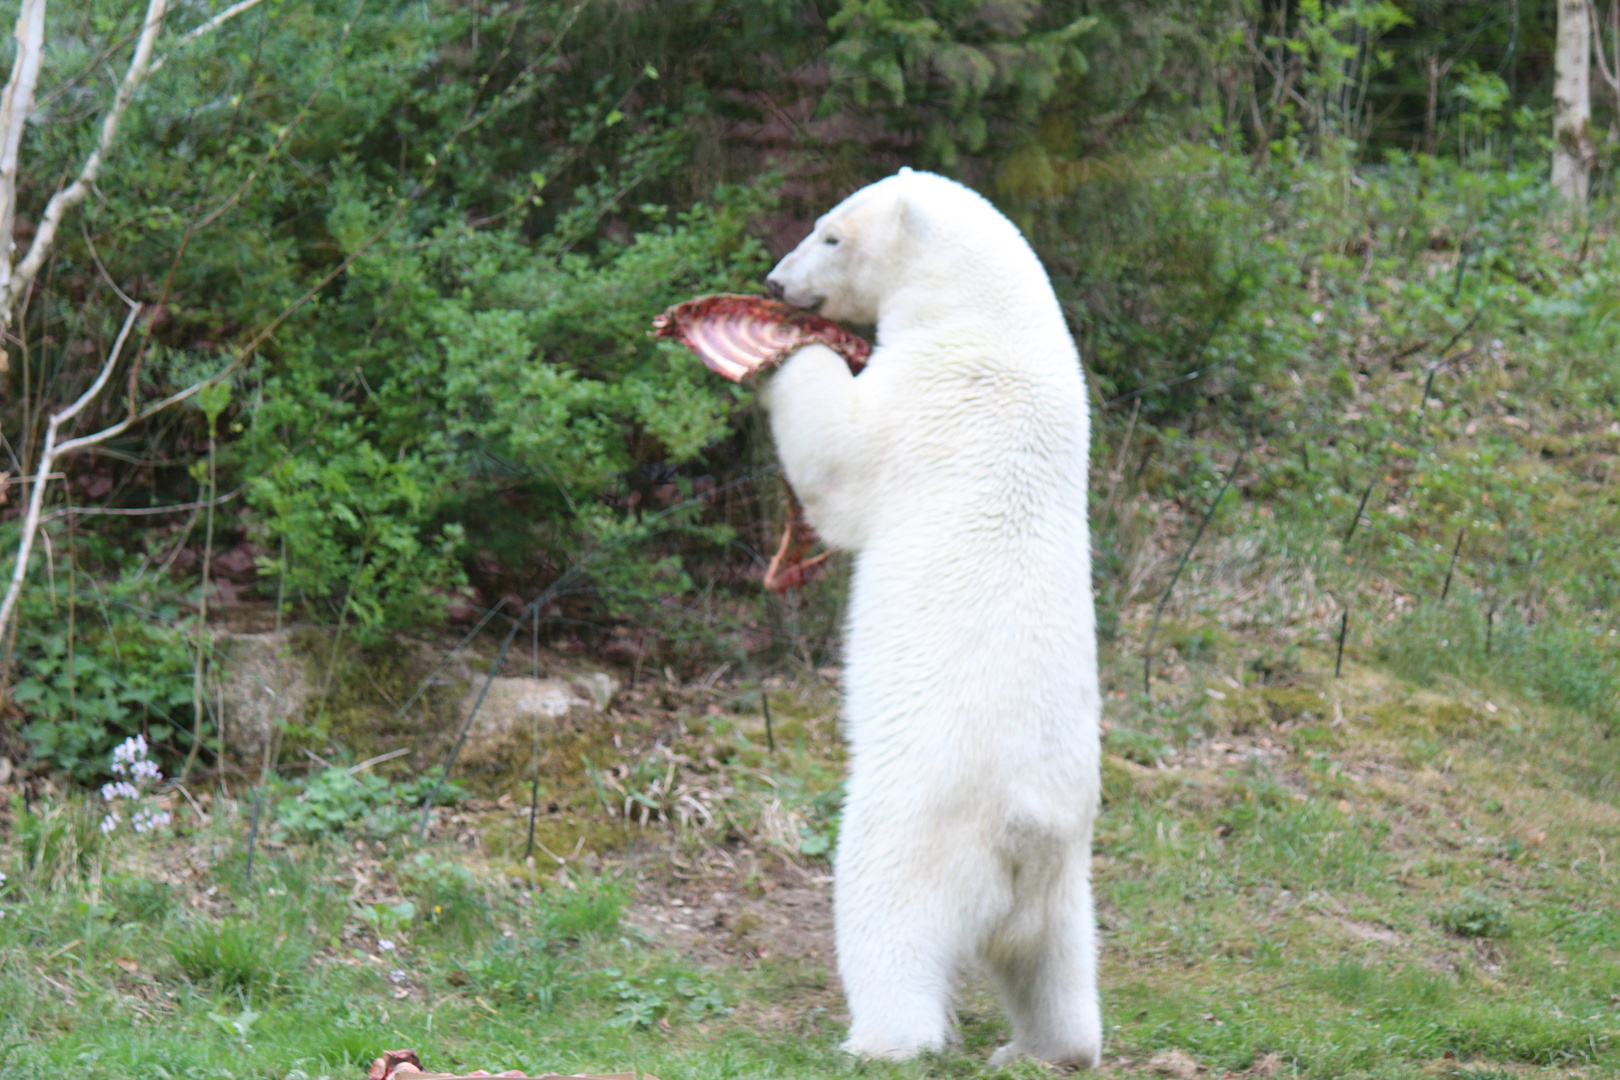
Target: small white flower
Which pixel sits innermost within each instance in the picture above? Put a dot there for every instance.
(396, 976)
(148, 819)
(2, 877)
(127, 753)
(110, 822)
(384, 945)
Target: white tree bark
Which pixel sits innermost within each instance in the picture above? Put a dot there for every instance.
(12, 286)
(15, 105)
(1572, 103)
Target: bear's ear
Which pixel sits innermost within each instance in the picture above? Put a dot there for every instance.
(914, 218)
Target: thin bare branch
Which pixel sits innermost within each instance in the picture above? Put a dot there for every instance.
(199, 31)
(47, 458)
(1611, 75)
(75, 193)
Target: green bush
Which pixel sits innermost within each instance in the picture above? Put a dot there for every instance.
(121, 666)
(1474, 916)
(334, 801)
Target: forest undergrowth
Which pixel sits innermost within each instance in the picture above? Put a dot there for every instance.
(1353, 502)
(1378, 844)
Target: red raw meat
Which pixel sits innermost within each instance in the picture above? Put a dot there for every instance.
(737, 336)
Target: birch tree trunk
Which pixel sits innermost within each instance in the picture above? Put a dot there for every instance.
(1572, 103)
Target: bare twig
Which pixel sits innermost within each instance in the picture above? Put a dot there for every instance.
(1153, 631)
(1445, 361)
(1453, 566)
(48, 455)
(1344, 625)
(201, 30)
(472, 714)
(1360, 507)
(378, 760)
(534, 733)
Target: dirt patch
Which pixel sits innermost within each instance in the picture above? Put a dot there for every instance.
(1383, 935)
(725, 925)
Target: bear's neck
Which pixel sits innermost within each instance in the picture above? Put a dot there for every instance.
(1003, 304)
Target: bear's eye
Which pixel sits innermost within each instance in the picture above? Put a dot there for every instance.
(831, 241)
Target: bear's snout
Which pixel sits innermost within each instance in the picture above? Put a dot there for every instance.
(774, 289)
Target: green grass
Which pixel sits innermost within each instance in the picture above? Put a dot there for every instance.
(1375, 904)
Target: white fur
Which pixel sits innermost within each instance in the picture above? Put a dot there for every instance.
(954, 467)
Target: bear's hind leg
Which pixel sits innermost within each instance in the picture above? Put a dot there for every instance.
(1048, 982)
(900, 947)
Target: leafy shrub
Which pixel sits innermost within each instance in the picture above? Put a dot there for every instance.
(1474, 916)
(334, 801)
(243, 954)
(642, 1001)
(125, 669)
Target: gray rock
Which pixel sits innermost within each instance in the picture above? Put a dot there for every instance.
(505, 723)
(262, 684)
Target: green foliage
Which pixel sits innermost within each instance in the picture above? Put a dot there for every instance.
(587, 910)
(53, 843)
(247, 955)
(449, 896)
(642, 1002)
(124, 669)
(334, 801)
(947, 69)
(527, 972)
(1570, 665)
(1141, 747)
(1473, 915)
(138, 899)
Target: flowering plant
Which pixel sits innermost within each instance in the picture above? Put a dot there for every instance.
(131, 759)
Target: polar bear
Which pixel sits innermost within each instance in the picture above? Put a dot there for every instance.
(954, 467)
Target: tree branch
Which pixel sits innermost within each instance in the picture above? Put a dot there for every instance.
(206, 28)
(72, 195)
(47, 458)
(17, 103)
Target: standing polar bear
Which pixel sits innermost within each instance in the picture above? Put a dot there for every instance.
(954, 467)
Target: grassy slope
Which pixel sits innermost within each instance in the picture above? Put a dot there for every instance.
(1364, 877)
(1405, 870)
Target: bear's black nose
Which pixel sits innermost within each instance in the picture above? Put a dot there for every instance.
(773, 289)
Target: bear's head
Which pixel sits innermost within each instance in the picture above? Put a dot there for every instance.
(860, 252)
